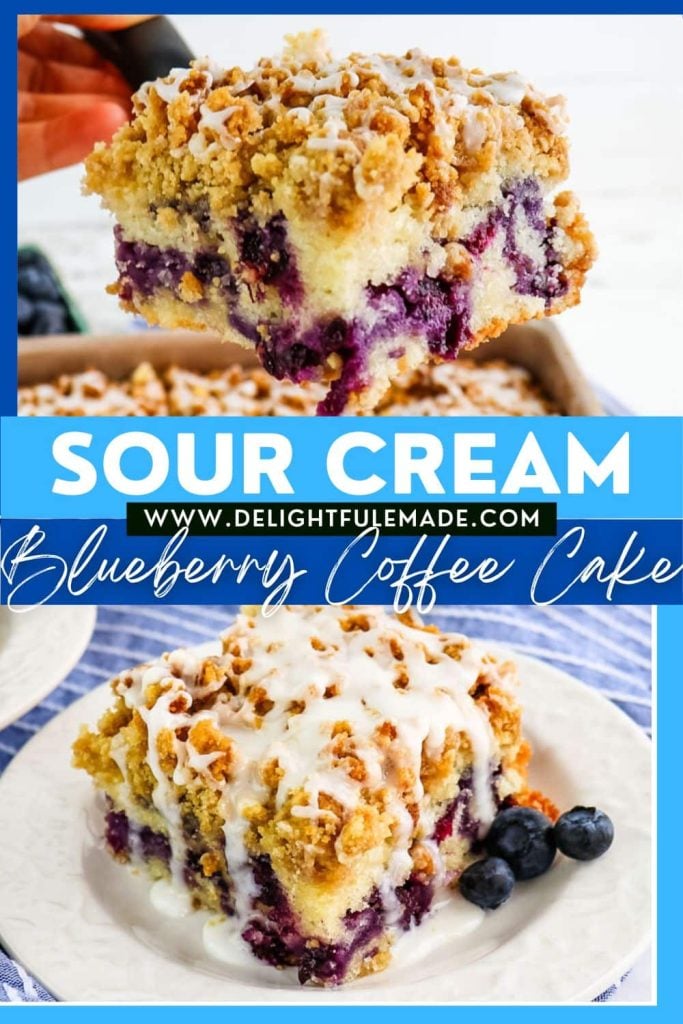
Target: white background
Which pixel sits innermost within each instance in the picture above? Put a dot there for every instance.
(622, 78)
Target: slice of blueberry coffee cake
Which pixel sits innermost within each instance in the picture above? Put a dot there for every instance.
(318, 780)
(349, 219)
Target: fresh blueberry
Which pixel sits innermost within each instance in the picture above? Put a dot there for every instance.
(49, 318)
(209, 266)
(524, 838)
(24, 314)
(487, 883)
(37, 282)
(584, 833)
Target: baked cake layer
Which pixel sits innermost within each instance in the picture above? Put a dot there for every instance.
(463, 388)
(348, 219)
(319, 779)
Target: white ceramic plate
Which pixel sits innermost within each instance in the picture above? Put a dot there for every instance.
(38, 649)
(86, 929)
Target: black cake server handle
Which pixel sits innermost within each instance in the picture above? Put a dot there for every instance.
(144, 51)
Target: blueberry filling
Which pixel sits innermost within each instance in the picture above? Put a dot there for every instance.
(436, 309)
(193, 874)
(458, 817)
(123, 837)
(274, 935)
(330, 963)
(117, 832)
(415, 896)
(210, 268)
(273, 932)
(297, 356)
(433, 308)
(154, 845)
(546, 280)
(264, 250)
(145, 268)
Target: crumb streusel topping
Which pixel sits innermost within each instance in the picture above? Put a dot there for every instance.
(463, 388)
(303, 712)
(348, 219)
(343, 134)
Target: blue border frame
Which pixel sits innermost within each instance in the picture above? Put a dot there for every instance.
(670, 620)
(666, 736)
(395, 7)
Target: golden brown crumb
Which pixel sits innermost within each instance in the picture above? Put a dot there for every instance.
(494, 387)
(539, 801)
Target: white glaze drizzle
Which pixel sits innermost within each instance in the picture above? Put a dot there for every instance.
(333, 80)
(288, 668)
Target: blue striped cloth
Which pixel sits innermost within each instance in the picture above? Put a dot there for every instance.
(608, 648)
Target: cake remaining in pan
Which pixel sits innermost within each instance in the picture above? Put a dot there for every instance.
(463, 388)
(321, 779)
(349, 219)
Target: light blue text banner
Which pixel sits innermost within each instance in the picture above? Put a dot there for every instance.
(91, 455)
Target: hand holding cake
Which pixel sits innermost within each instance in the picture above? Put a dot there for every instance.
(69, 98)
(349, 219)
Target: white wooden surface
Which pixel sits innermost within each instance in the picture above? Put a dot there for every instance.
(623, 82)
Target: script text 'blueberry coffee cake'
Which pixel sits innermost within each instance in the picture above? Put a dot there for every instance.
(349, 219)
(319, 781)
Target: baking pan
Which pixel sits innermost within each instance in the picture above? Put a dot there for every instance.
(538, 347)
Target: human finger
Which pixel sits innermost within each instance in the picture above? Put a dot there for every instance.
(52, 76)
(103, 22)
(51, 43)
(26, 23)
(38, 106)
(62, 141)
